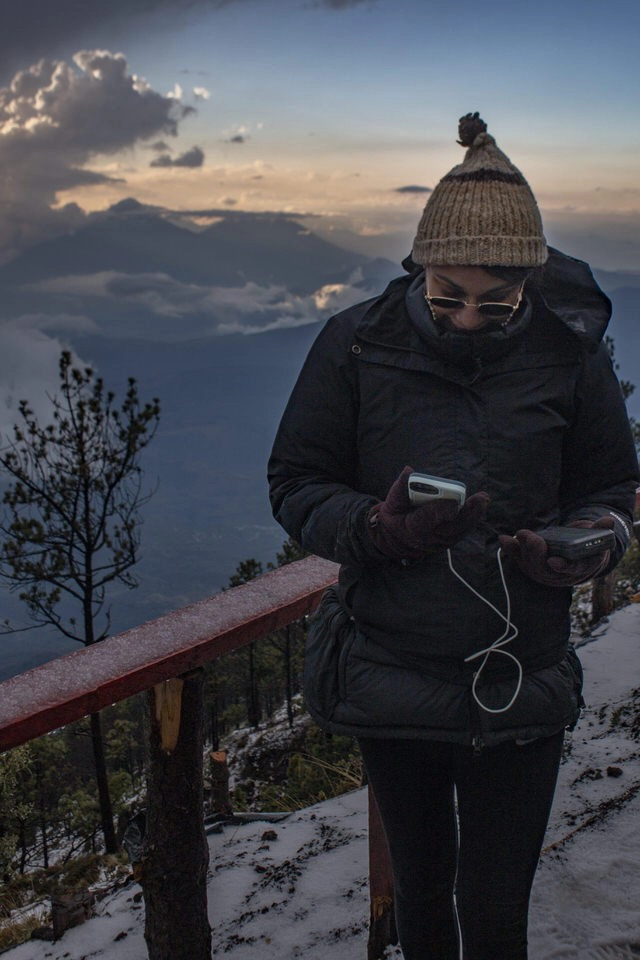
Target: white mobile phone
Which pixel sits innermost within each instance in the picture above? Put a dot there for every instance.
(424, 488)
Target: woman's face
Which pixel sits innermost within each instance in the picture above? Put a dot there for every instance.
(474, 286)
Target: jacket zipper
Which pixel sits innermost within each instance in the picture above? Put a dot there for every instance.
(477, 741)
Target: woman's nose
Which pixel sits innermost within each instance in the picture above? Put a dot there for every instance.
(468, 318)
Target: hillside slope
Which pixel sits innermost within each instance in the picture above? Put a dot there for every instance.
(303, 894)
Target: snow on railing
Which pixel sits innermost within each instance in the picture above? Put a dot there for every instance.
(83, 682)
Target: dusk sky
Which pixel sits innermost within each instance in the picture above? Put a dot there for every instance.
(326, 107)
(343, 113)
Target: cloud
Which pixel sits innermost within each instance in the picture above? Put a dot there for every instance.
(191, 158)
(201, 93)
(55, 118)
(58, 322)
(176, 93)
(413, 188)
(248, 309)
(238, 134)
(29, 367)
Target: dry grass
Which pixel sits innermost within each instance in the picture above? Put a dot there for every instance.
(16, 931)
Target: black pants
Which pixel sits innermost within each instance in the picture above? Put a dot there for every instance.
(487, 854)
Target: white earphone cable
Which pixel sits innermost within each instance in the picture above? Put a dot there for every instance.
(510, 633)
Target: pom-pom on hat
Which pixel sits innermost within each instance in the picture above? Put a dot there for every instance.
(482, 213)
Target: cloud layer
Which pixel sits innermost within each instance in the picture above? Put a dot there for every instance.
(54, 118)
(198, 309)
(29, 365)
(31, 343)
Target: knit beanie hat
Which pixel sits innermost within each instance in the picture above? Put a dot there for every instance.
(482, 213)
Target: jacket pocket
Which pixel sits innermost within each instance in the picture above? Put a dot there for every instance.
(326, 651)
(549, 699)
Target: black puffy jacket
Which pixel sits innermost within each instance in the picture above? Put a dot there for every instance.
(533, 415)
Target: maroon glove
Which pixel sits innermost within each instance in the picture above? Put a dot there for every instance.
(401, 530)
(529, 551)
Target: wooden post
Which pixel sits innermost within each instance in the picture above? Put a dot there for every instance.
(176, 853)
(382, 925)
(168, 704)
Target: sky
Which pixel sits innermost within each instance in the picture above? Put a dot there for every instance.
(302, 891)
(343, 110)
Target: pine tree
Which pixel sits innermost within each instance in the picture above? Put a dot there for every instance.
(72, 515)
(13, 808)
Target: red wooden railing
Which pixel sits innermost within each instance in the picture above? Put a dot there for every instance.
(73, 686)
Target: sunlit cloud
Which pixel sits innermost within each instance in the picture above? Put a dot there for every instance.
(56, 119)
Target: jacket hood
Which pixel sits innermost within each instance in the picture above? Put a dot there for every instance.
(568, 289)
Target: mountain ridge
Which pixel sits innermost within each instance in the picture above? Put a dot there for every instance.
(221, 395)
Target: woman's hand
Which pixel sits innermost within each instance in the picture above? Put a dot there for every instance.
(401, 530)
(529, 551)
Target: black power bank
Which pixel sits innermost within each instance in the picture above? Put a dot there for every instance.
(575, 543)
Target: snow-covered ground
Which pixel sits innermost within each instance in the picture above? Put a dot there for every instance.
(298, 888)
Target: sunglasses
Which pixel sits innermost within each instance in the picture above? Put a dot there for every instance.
(496, 312)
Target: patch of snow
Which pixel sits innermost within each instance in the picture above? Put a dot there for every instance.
(304, 893)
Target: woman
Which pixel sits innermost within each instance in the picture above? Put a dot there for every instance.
(445, 648)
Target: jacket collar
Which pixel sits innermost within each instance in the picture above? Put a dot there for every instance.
(568, 290)
(464, 348)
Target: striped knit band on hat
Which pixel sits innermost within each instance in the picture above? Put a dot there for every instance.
(482, 213)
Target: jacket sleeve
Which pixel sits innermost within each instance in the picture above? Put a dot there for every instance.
(313, 467)
(600, 468)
